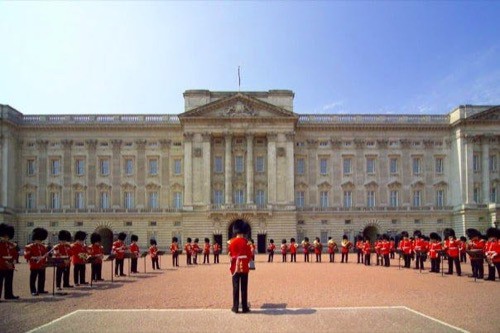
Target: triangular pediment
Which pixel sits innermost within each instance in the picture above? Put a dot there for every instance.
(489, 114)
(238, 106)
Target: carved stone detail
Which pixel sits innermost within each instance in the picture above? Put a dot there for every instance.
(238, 110)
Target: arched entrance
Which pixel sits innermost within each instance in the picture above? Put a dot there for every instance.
(230, 233)
(371, 232)
(106, 238)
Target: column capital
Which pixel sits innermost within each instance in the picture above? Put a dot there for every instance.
(405, 143)
(336, 143)
(428, 143)
(141, 144)
(188, 136)
(92, 144)
(42, 144)
(312, 143)
(165, 143)
(382, 143)
(272, 136)
(116, 143)
(67, 143)
(206, 137)
(290, 136)
(359, 143)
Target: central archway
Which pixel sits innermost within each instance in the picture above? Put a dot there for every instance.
(230, 233)
(106, 238)
(371, 233)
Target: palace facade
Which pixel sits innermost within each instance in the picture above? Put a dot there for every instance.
(248, 155)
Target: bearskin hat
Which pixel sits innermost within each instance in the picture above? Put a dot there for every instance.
(95, 238)
(240, 227)
(153, 241)
(39, 234)
(196, 240)
(64, 235)
(80, 235)
(174, 239)
(292, 239)
(472, 233)
(306, 239)
(433, 235)
(463, 239)
(207, 240)
(448, 232)
(122, 236)
(189, 239)
(283, 241)
(10, 232)
(493, 232)
(271, 241)
(344, 237)
(404, 234)
(417, 233)
(4, 230)
(134, 238)
(385, 237)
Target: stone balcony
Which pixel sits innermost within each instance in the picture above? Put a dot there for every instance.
(374, 119)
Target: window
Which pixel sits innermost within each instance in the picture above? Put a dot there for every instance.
(323, 143)
(394, 198)
(104, 200)
(417, 198)
(239, 197)
(152, 224)
(323, 236)
(323, 166)
(55, 200)
(299, 198)
(128, 224)
(153, 166)
(440, 198)
(394, 221)
(347, 165)
(370, 199)
(128, 200)
(323, 199)
(300, 166)
(30, 167)
(218, 197)
(55, 167)
(477, 194)
(177, 200)
(153, 200)
(177, 167)
(417, 221)
(260, 198)
(493, 163)
(79, 224)
(218, 166)
(104, 166)
(80, 167)
(370, 165)
(493, 194)
(416, 163)
(347, 199)
(79, 200)
(476, 163)
(30, 200)
(129, 166)
(259, 164)
(439, 165)
(238, 164)
(347, 221)
(393, 165)
(54, 224)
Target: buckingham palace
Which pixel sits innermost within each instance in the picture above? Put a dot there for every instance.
(249, 155)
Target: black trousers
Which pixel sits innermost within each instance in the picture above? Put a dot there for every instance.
(133, 265)
(455, 260)
(155, 262)
(270, 257)
(62, 273)
(463, 257)
(491, 272)
(346, 256)
(318, 257)
(95, 271)
(393, 255)
(175, 259)
(407, 260)
(188, 259)
(7, 275)
(216, 258)
(206, 258)
(419, 260)
(477, 268)
(367, 259)
(240, 280)
(79, 273)
(37, 279)
(332, 257)
(293, 257)
(435, 263)
(360, 257)
(195, 258)
(306, 257)
(387, 262)
(119, 266)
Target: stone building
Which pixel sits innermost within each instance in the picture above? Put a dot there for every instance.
(249, 155)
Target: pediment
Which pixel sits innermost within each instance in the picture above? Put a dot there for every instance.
(238, 106)
(417, 183)
(347, 184)
(441, 183)
(371, 184)
(394, 184)
(325, 185)
(489, 114)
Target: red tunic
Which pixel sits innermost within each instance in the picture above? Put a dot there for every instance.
(188, 248)
(451, 247)
(271, 247)
(35, 254)
(216, 248)
(79, 253)
(318, 247)
(419, 245)
(477, 244)
(385, 248)
(240, 254)
(206, 248)
(96, 251)
(392, 245)
(153, 250)
(331, 246)
(195, 248)
(8, 253)
(493, 250)
(134, 249)
(463, 247)
(284, 248)
(405, 246)
(63, 251)
(174, 247)
(119, 249)
(305, 246)
(359, 245)
(434, 248)
(367, 248)
(293, 248)
(346, 247)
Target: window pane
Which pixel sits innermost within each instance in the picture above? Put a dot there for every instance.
(259, 164)
(238, 165)
(153, 166)
(218, 164)
(394, 165)
(347, 166)
(177, 167)
(323, 166)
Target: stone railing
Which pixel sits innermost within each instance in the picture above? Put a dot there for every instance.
(98, 119)
(373, 119)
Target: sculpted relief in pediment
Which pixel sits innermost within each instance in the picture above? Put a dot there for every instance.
(238, 110)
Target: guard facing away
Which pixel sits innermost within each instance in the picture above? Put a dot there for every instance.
(8, 253)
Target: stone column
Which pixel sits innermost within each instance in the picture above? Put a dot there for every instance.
(42, 173)
(5, 171)
(188, 169)
(360, 176)
(271, 168)
(469, 170)
(207, 167)
(141, 173)
(67, 201)
(116, 173)
(406, 172)
(164, 173)
(290, 172)
(485, 168)
(228, 171)
(312, 172)
(249, 169)
(92, 170)
(382, 172)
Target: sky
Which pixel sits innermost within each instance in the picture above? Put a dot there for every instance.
(338, 57)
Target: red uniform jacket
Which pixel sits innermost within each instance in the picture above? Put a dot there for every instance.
(119, 249)
(405, 246)
(293, 248)
(305, 246)
(271, 247)
(134, 249)
(385, 248)
(216, 248)
(8, 253)
(63, 251)
(359, 245)
(318, 247)
(477, 244)
(332, 246)
(153, 250)
(195, 248)
(174, 247)
(463, 247)
(493, 250)
(96, 251)
(206, 248)
(240, 255)
(367, 248)
(434, 249)
(451, 248)
(284, 248)
(35, 254)
(419, 245)
(188, 248)
(346, 247)
(79, 253)
(392, 245)
(378, 245)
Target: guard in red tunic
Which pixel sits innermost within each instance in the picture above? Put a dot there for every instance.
(216, 248)
(135, 251)
(174, 250)
(36, 253)
(318, 248)
(206, 251)
(405, 247)
(332, 247)
(240, 254)
(385, 248)
(346, 246)
(270, 250)
(451, 247)
(293, 250)
(63, 252)
(119, 248)
(189, 250)
(463, 249)
(305, 248)
(359, 249)
(476, 244)
(8, 254)
(195, 251)
(79, 255)
(251, 243)
(377, 246)
(392, 243)
(435, 249)
(153, 253)
(284, 250)
(420, 250)
(367, 251)
(492, 253)
(96, 251)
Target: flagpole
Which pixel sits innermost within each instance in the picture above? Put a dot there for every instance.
(239, 79)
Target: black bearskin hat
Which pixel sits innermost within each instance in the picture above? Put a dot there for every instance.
(434, 235)
(188, 239)
(271, 241)
(448, 232)
(95, 238)
(472, 233)
(134, 238)
(392, 238)
(463, 239)
(404, 234)
(174, 239)
(10, 232)
(292, 239)
(122, 236)
(344, 237)
(196, 240)
(385, 237)
(493, 232)
(306, 239)
(6, 230)
(283, 241)
(80, 235)
(417, 234)
(39, 234)
(65, 236)
(240, 227)
(153, 241)
(207, 240)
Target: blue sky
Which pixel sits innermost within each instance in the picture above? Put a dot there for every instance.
(338, 57)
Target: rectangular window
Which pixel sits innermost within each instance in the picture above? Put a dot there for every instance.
(238, 164)
(104, 167)
(104, 200)
(440, 198)
(129, 166)
(153, 166)
(323, 196)
(493, 194)
(417, 198)
(417, 221)
(177, 200)
(218, 197)
(55, 167)
(323, 236)
(260, 198)
(347, 221)
(493, 163)
(393, 165)
(323, 166)
(239, 198)
(439, 165)
(218, 164)
(177, 167)
(301, 166)
(55, 200)
(347, 166)
(128, 200)
(347, 199)
(30, 200)
(30, 167)
(152, 224)
(476, 163)
(299, 198)
(416, 163)
(477, 195)
(259, 164)
(153, 200)
(394, 198)
(370, 198)
(79, 200)
(80, 167)
(370, 165)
